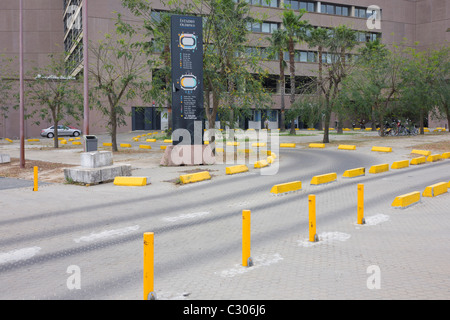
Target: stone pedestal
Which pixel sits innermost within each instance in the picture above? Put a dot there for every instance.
(188, 155)
(5, 158)
(96, 167)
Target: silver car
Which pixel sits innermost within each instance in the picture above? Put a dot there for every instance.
(62, 131)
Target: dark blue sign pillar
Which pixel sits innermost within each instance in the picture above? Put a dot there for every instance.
(187, 78)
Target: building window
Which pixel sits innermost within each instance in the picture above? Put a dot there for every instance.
(264, 3)
(265, 27)
(296, 5)
(335, 9)
(365, 13)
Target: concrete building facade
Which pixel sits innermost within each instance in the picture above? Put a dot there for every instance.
(54, 26)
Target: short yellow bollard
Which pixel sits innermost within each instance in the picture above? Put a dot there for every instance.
(35, 188)
(361, 204)
(312, 219)
(246, 239)
(149, 259)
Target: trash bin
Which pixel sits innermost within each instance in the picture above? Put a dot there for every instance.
(90, 144)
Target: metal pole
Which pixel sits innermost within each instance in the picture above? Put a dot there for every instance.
(86, 67)
(21, 91)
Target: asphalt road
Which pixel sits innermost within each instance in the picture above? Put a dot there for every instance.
(97, 231)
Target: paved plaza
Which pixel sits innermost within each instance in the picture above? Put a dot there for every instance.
(96, 231)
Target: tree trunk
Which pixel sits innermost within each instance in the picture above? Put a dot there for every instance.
(421, 120)
(282, 91)
(326, 133)
(55, 126)
(447, 111)
(113, 120)
(292, 71)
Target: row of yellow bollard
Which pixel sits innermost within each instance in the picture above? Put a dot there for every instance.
(247, 261)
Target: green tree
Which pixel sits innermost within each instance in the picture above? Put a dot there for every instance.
(296, 30)
(119, 73)
(6, 86)
(441, 88)
(55, 96)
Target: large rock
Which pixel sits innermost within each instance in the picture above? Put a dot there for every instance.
(5, 158)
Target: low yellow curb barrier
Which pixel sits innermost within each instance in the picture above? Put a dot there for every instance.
(219, 150)
(379, 168)
(107, 144)
(261, 164)
(130, 181)
(346, 147)
(286, 187)
(230, 143)
(236, 169)
(324, 178)
(317, 145)
(287, 145)
(142, 146)
(436, 189)
(76, 143)
(135, 139)
(63, 141)
(368, 129)
(422, 152)
(78, 138)
(400, 164)
(9, 140)
(382, 149)
(259, 144)
(163, 147)
(150, 140)
(419, 160)
(406, 200)
(70, 139)
(354, 173)
(33, 140)
(168, 141)
(445, 155)
(434, 158)
(270, 159)
(195, 177)
(244, 150)
(125, 145)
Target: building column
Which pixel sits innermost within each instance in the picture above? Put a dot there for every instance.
(318, 8)
(352, 11)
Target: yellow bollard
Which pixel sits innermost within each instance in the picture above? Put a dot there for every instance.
(246, 241)
(361, 204)
(312, 219)
(149, 266)
(35, 188)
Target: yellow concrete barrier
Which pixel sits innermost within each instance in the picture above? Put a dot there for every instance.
(422, 152)
(76, 143)
(125, 145)
(245, 150)
(130, 181)
(382, 149)
(317, 145)
(236, 169)
(71, 139)
(107, 144)
(445, 155)
(261, 164)
(406, 200)
(168, 141)
(63, 141)
(434, 158)
(287, 145)
(135, 139)
(150, 140)
(78, 138)
(163, 147)
(219, 150)
(33, 140)
(346, 147)
(286, 187)
(417, 161)
(195, 177)
(9, 140)
(143, 146)
(270, 159)
(354, 173)
(324, 178)
(368, 129)
(400, 164)
(259, 144)
(379, 168)
(436, 189)
(231, 143)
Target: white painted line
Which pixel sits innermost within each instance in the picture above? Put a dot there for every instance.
(376, 219)
(325, 238)
(16, 255)
(106, 234)
(258, 262)
(186, 216)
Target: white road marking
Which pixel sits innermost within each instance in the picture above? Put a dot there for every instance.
(258, 262)
(186, 216)
(376, 219)
(106, 234)
(16, 255)
(325, 237)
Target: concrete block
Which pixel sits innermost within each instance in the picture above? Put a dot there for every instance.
(96, 175)
(5, 158)
(96, 159)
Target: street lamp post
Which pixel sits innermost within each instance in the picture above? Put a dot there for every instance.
(21, 91)
(86, 67)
